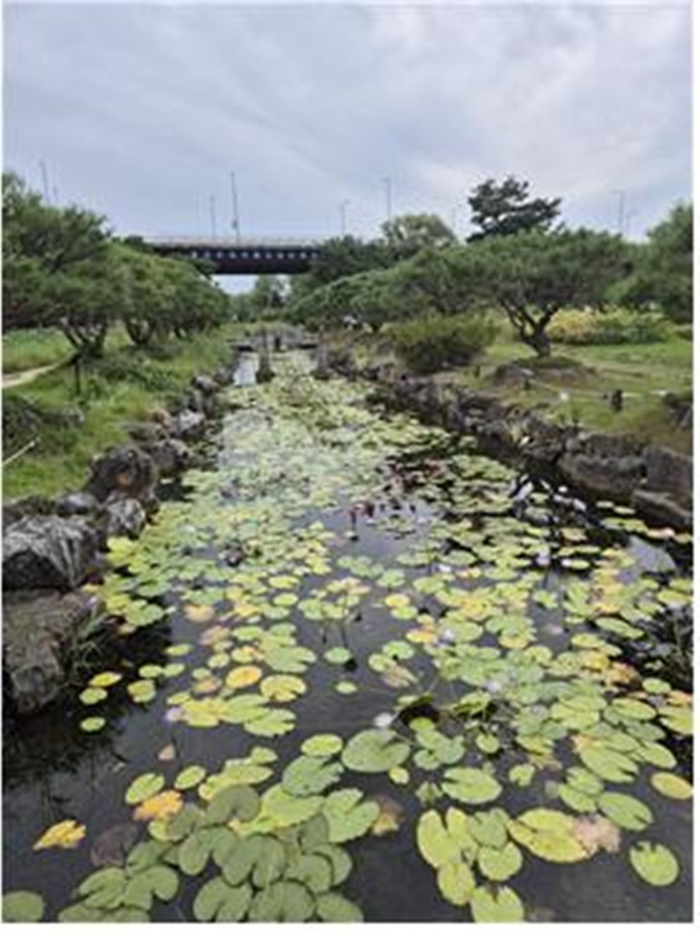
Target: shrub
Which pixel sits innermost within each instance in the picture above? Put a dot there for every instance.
(613, 326)
(429, 344)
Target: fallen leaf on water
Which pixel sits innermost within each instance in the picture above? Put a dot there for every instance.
(65, 834)
(389, 818)
(162, 805)
(112, 846)
(596, 834)
(167, 754)
(199, 613)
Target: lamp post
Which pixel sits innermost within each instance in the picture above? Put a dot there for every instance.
(236, 224)
(343, 206)
(387, 183)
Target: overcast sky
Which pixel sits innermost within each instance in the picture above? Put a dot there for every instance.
(142, 112)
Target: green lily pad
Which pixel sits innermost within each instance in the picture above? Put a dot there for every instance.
(672, 786)
(375, 751)
(308, 775)
(655, 864)
(286, 809)
(500, 864)
(22, 906)
(456, 882)
(92, 696)
(322, 745)
(548, 834)
(313, 870)
(92, 724)
(282, 901)
(274, 723)
(241, 802)
(346, 687)
(625, 811)
(499, 905)
(338, 655)
(332, 907)
(347, 815)
(220, 902)
(143, 788)
(471, 786)
(435, 843)
(609, 764)
(190, 777)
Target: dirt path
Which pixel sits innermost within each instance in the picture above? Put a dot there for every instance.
(24, 376)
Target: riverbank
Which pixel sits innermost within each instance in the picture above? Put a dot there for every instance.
(348, 635)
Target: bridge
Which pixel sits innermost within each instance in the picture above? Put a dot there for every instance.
(240, 257)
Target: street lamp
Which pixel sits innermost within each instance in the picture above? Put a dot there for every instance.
(234, 199)
(387, 182)
(343, 206)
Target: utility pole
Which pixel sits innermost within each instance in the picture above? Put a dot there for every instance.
(45, 181)
(234, 198)
(387, 182)
(212, 215)
(621, 211)
(628, 217)
(343, 206)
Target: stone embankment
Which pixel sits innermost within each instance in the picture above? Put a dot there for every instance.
(53, 546)
(655, 480)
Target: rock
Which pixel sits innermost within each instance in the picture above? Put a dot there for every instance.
(206, 385)
(671, 472)
(223, 376)
(188, 425)
(15, 510)
(661, 509)
(79, 503)
(39, 629)
(129, 471)
(172, 456)
(603, 477)
(145, 432)
(125, 517)
(162, 417)
(48, 552)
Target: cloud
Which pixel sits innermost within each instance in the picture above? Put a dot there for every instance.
(142, 111)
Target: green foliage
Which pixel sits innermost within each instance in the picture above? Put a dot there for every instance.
(427, 345)
(662, 272)
(411, 233)
(534, 275)
(612, 325)
(504, 209)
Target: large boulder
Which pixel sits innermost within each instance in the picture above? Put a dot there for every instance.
(125, 517)
(48, 552)
(188, 425)
(39, 630)
(171, 455)
(670, 472)
(79, 503)
(604, 465)
(206, 385)
(127, 471)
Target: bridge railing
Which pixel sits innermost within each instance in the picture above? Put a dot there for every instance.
(232, 242)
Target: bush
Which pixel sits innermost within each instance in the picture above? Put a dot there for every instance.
(685, 331)
(614, 326)
(429, 344)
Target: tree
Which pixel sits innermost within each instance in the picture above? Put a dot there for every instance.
(532, 276)
(57, 269)
(662, 268)
(411, 233)
(500, 209)
(345, 256)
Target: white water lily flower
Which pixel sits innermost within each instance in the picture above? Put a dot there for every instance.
(383, 720)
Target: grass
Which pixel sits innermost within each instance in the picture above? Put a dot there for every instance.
(642, 371)
(125, 387)
(42, 347)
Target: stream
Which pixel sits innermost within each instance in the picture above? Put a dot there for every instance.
(357, 670)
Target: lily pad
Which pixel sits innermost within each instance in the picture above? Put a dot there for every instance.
(322, 745)
(143, 788)
(92, 724)
(500, 864)
(548, 834)
(655, 864)
(190, 777)
(672, 786)
(339, 655)
(499, 905)
(626, 811)
(332, 907)
(348, 816)
(375, 751)
(435, 843)
(456, 882)
(22, 906)
(472, 786)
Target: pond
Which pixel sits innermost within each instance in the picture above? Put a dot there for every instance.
(360, 671)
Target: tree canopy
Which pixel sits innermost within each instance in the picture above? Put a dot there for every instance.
(501, 209)
(411, 233)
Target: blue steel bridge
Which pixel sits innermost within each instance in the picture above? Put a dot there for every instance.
(230, 256)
